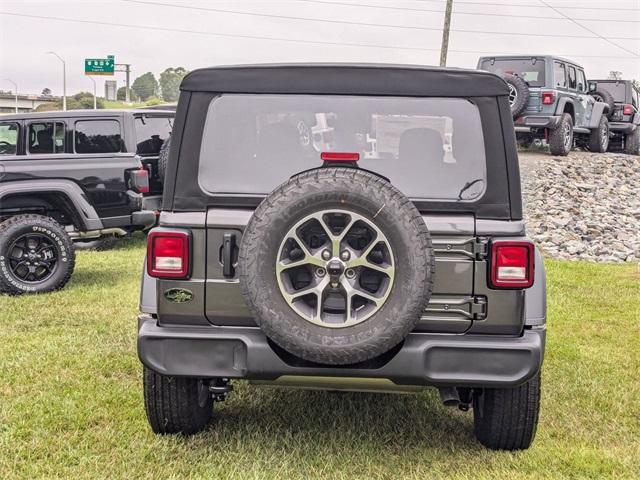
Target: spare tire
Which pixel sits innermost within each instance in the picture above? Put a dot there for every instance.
(518, 94)
(163, 159)
(605, 97)
(336, 266)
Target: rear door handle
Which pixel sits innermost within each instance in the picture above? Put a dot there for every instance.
(228, 248)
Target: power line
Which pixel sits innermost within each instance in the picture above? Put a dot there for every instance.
(201, 32)
(589, 30)
(367, 24)
(278, 39)
(532, 5)
(457, 12)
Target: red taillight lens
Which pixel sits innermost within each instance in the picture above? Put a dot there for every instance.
(547, 98)
(512, 264)
(168, 254)
(627, 109)
(340, 156)
(140, 180)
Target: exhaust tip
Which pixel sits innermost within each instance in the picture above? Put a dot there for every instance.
(449, 396)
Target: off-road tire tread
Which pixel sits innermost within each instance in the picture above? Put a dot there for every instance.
(172, 405)
(608, 99)
(351, 179)
(34, 219)
(594, 144)
(163, 159)
(556, 137)
(632, 142)
(509, 416)
(523, 93)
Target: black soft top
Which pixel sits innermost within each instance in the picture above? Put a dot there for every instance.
(345, 79)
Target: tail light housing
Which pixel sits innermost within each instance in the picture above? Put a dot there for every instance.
(140, 180)
(548, 98)
(340, 156)
(168, 254)
(512, 264)
(627, 109)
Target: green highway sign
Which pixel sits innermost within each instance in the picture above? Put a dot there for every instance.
(99, 66)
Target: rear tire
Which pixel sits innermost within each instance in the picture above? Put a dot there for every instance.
(599, 137)
(605, 97)
(163, 159)
(507, 418)
(36, 255)
(561, 137)
(176, 404)
(632, 142)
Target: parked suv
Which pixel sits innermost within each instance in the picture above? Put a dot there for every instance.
(382, 248)
(625, 116)
(550, 99)
(70, 177)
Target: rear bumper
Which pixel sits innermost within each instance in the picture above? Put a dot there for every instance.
(529, 122)
(622, 127)
(423, 359)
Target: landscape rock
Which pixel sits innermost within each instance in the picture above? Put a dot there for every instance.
(585, 206)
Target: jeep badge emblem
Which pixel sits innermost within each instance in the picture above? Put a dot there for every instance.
(178, 295)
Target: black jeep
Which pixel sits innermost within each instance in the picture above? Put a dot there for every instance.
(73, 176)
(352, 227)
(624, 121)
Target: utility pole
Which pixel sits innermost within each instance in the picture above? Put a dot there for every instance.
(126, 68)
(15, 91)
(64, 80)
(95, 101)
(445, 33)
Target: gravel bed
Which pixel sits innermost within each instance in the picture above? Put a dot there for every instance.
(583, 207)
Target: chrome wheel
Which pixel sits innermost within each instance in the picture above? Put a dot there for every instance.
(513, 95)
(335, 268)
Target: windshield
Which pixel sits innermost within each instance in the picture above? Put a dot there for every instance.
(617, 89)
(531, 70)
(151, 132)
(430, 148)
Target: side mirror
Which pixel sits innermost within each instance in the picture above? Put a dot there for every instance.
(593, 87)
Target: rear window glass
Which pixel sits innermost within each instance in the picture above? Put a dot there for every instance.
(430, 148)
(8, 138)
(46, 137)
(151, 132)
(98, 136)
(531, 70)
(618, 90)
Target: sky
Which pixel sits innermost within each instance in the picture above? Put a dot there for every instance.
(152, 35)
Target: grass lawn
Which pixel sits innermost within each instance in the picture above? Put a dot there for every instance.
(71, 401)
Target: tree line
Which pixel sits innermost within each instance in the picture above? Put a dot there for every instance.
(146, 87)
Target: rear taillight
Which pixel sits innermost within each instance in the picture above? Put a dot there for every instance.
(168, 254)
(512, 264)
(548, 98)
(340, 156)
(627, 109)
(140, 180)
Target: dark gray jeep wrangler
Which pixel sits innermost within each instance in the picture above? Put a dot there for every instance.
(354, 227)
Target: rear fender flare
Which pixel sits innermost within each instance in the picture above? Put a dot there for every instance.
(560, 108)
(599, 109)
(86, 214)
